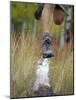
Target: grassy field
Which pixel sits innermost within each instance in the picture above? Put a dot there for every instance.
(25, 53)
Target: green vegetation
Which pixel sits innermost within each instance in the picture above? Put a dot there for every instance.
(22, 11)
(22, 19)
(26, 50)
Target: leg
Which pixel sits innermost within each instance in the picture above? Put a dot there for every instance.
(46, 13)
(47, 17)
(46, 20)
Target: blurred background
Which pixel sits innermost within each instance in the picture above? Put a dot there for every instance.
(26, 43)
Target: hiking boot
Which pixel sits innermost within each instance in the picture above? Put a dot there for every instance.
(47, 46)
(38, 11)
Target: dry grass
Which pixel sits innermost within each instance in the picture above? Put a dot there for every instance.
(61, 70)
(24, 55)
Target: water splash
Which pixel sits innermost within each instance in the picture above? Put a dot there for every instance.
(42, 74)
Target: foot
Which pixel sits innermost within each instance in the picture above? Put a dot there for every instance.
(47, 46)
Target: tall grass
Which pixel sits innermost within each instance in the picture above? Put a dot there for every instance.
(25, 53)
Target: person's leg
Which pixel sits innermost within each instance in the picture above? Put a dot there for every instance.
(47, 17)
(46, 20)
(48, 13)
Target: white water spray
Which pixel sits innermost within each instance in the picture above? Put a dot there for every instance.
(42, 74)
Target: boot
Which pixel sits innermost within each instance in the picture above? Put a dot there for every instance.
(47, 50)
